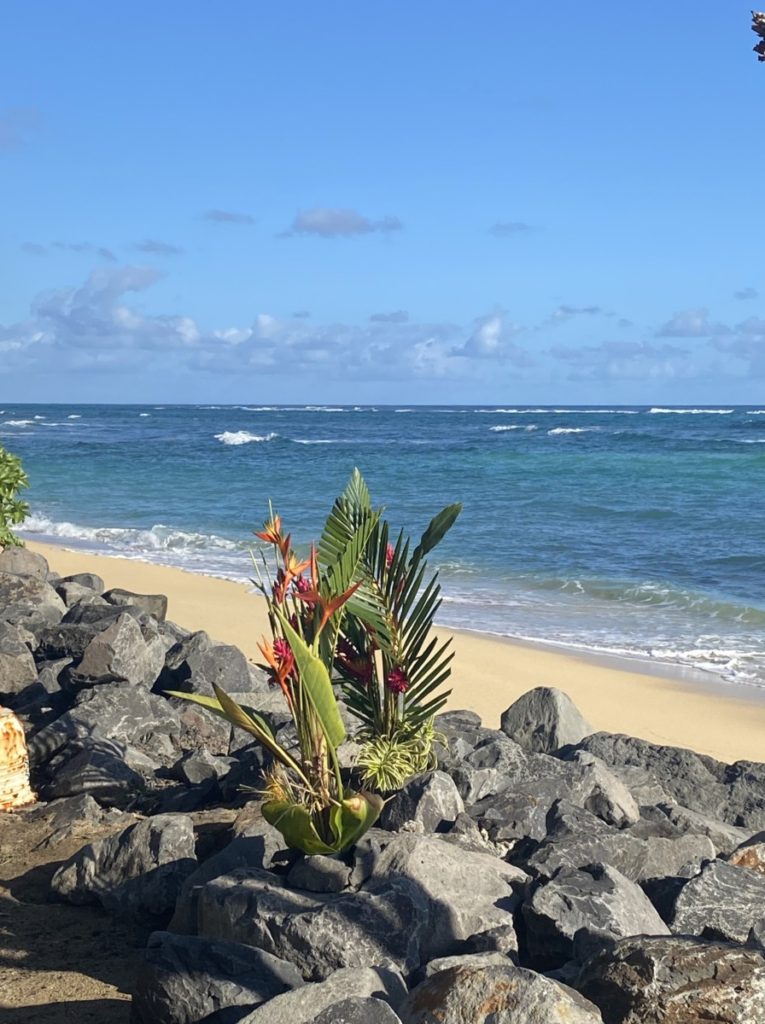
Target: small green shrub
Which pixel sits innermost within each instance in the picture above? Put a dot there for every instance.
(13, 511)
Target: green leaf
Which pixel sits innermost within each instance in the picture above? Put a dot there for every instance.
(314, 678)
(437, 528)
(295, 824)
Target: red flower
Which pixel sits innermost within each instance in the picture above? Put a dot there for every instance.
(390, 552)
(302, 585)
(397, 681)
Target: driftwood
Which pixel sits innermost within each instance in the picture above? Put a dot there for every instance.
(758, 26)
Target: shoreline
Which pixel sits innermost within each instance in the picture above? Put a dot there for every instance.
(489, 672)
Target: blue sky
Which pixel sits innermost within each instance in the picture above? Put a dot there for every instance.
(343, 202)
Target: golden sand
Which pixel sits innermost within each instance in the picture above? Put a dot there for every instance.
(488, 673)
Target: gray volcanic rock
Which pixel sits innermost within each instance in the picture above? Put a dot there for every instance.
(32, 619)
(303, 1005)
(97, 768)
(119, 653)
(576, 838)
(137, 872)
(430, 800)
(468, 894)
(319, 874)
(193, 664)
(85, 579)
(725, 838)
(28, 590)
(733, 793)
(198, 766)
(17, 666)
(185, 980)
(676, 981)
(153, 604)
(723, 902)
(72, 593)
(23, 562)
(358, 1010)
(588, 904)
(473, 994)
(384, 924)
(544, 720)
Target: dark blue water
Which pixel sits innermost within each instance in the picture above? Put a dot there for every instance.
(631, 530)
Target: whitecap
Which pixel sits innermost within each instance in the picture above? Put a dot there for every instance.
(74, 416)
(144, 414)
(571, 430)
(19, 423)
(693, 412)
(242, 437)
(501, 428)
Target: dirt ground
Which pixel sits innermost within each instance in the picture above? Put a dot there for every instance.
(58, 963)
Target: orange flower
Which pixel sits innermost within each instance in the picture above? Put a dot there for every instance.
(328, 605)
(272, 531)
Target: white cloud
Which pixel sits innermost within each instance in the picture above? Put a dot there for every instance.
(338, 223)
(691, 323)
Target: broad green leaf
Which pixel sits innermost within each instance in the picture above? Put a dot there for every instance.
(316, 683)
(437, 528)
(295, 824)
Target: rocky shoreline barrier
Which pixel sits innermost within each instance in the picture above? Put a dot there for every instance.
(542, 874)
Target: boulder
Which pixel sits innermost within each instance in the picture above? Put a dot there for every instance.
(97, 768)
(32, 619)
(303, 1005)
(319, 874)
(733, 793)
(358, 1010)
(27, 590)
(383, 924)
(186, 980)
(136, 873)
(197, 766)
(750, 853)
(153, 604)
(590, 905)
(576, 838)
(676, 981)
(72, 593)
(193, 664)
(429, 800)
(723, 902)
(21, 561)
(119, 653)
(468, 894)
(544, 720)
(725, 838)
(17, 666)
(443, 963)
(86, 579)
(496, 994)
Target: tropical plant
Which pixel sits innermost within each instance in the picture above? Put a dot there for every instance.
(13, 511)
(391, 665)
(305, 795)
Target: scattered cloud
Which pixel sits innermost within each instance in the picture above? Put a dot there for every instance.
(493, 338)
(86, 247)
(509, 228)
(338, 223)
(398, 316)
(301, 314)
(154, 247)
(33, 248)
(17, 124)
(624, 360)
(228, 217)
(746, 293)
(691, 323)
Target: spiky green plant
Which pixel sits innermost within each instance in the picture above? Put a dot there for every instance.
(13, 511)
(391, 664)
(306, 798)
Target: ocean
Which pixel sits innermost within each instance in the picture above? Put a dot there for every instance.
(631, 531)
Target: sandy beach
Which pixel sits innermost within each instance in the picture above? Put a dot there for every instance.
(489, 673)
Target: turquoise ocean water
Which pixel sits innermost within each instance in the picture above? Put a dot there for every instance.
(634, 531)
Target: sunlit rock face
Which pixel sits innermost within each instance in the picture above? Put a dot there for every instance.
(15, 790)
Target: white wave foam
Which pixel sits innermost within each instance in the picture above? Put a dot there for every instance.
(500, 428)
(39, 417)
(750, 440)
(693, 412)
(158, 538)
(314, 440)
(74, 416)
(571, 430)
(403, 410)
(242, 437)
(324, 408)
(756, 412)
(144, 414)
(19, 423)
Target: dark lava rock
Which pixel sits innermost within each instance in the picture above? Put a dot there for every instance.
(430, 800)
(153, 604)
(723, 902)
(543, 720)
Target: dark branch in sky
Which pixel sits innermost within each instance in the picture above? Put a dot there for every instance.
(758, 26)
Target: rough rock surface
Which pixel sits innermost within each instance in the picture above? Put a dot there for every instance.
(588, 905)
(28, 590)
(185, 980)
(153, 604)
(544, 720)
(384, 924)
(137, 872)
(17, 666)
(495, 994)
(750, 853)
(676, 981)
(120, 653)
(22, 562)
(358, 1010)
(430, 800)
(724, 902)
(303, 1005)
